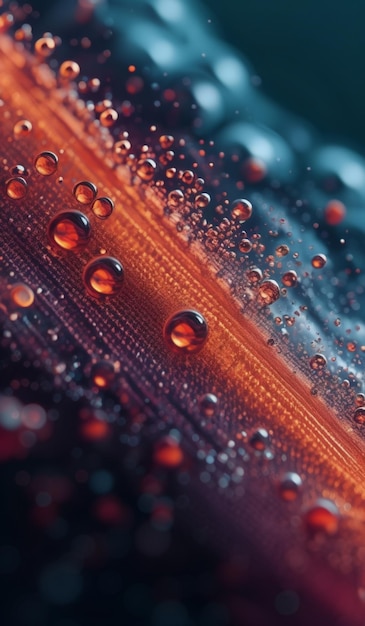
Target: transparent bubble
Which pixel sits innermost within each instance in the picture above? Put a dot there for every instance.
(186, 332)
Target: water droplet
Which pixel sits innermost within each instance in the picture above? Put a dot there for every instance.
(254, 275)
(208, 405)
(318, 362)
(22, 295)
(19, 170)
(202, 200)
(146, 169)
(186, 332)
(290, 486)
(46, 163)
(121, 149)
(168, 453)
(359, 415)
(69, 230)
(103, 374)
(103, 208)
(69, 70)
(166, 141)
(188, 177)
(260, 439)
(290, 278)
(319, 261)
(334, 212)
(16, 188)
(241, 209)
(108, 118)
(268, 292)
(44, 46)
(254, 170)
(322, 517)
(23, 128)
(103, 276)
(85, 192)
(282, 250)
(245, 246)
(175, 198)
(360, 399)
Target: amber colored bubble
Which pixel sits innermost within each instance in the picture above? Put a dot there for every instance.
(175, 198)
(260, 439)
(166, 141)
(319, 261)
(16, 188)
(103, 276)
(185, 332)
(254, 275)
(23, 128)
(282, 250)
(241, 209)
(69, 70)
(168, 453)
(188, 177)
(22, 295)
(103, 374)
(85, 192)
(45, 46)
(245, 246)
(322, 517)
(46, 163)
(334, 212)
(146, 169)
(202, 200)
(208, 405)
(290, 278)
(108, 118)
(103, 208)
(290, 486)
(359, 415)
(360, 399)
(69, 230)
(318, 362)
(268, 292)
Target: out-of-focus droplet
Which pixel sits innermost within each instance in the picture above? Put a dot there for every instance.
(103, 208)
(334, 212)
(69, 70)
(103, 276)
(175, 198)
(208, 405)
(202, 200)
(108, 118)
(33, 416)
(85, 192)
(168, 453)
(46, 163)
(360, 399)
(241, 210)
(103, 374)
(186, 332)
(254, 170)
(268, 292)
(146, 169)
(44, 47)
(16, 188)
(22, 295)
(260, 439)
(245, 246)
(319, 261)
(254, 275)
(290, 278)
(322, 516)
(69, 230)
(166, 141)
(290, 486)
(23, 128)
(359, 415)
(318, 362)
(282, 250)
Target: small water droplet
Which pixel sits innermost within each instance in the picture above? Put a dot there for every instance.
(208, 404)
(241, 209)
(260, 439)
(359, 415)
(268, 292)
(202, 200)
(166, 141)
(290, 486)
(319, 261)
(22, 295)
(46, 163)
(103, 276)
(282, 250)
(186, 332)
(103, 374)
(103, 208)
(175, 198)
(108, 117)
(360, 399)
(69, 70)
(290, 278)
(16, 188)
(44, 46)
(69, 230)
(85, 192)
(318, 362)
(322, 516)
(334, 212)
(23, 128)
(146, 169)
(245, 246)
(254, 275)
